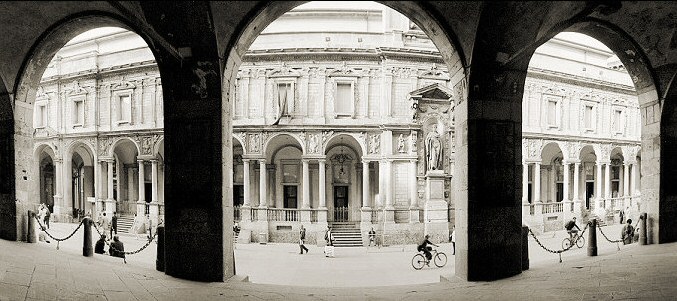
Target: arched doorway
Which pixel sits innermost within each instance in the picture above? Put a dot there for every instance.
(80, 197)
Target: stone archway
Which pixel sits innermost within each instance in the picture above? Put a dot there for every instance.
(442, 35)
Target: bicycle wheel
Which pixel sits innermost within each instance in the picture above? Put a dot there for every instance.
(418, 261)
(440, 259)
(566, 243)
(580, 242)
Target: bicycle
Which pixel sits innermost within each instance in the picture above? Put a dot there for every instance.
(578, 240)
(419, 260)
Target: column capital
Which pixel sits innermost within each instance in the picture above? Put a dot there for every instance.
(154, 161)
(246, 160)
(140, 160)
(323, 160)
(262, 160)
(57, 160)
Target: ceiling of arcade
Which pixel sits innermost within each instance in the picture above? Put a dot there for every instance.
(473, 25)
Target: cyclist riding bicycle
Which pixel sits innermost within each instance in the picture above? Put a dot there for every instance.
(570, 228)
(423, 247)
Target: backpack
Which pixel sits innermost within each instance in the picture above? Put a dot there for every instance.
(570, 225)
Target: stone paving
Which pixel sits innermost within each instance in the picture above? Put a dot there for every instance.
(40, 272)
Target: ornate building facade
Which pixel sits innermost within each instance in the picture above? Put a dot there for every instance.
(319, 118)
(316, 140)
(98, 138)
(581, 136)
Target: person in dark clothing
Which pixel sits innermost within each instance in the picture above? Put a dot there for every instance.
(98, 247)
(117, 248)
(423, 246)
(628, 232)
(570, 228)
(114, 224)
(48, 212)
(302, 239)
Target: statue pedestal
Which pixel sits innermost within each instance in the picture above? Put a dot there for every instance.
(436, 214)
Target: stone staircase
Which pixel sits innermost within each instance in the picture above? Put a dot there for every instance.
(346, 234)
(125, 222)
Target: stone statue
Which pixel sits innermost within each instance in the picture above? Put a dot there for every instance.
(433, 149)
(400, 144)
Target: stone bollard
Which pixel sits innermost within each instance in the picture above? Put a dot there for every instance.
(87, 249)
(642, 229)
(160, 260)
(592, 238)
(525, 248)
(32, 236)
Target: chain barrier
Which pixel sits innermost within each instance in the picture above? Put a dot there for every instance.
(123, 252)
(58, 240)
(559, 252)
(609, 240)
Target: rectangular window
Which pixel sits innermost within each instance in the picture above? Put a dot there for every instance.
(553, 116)
(78, 117)
(124, 114)
(618, 122)
(344, 99)
(290, 173)
(41, 116)
(588, 119)
(285, 98)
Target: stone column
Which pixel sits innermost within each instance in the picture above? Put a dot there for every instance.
(576, 200)
(263, 193)
(141, 203)
(365, 185)
(635, 178)
(58, 179)
(154, 209)
(305, 214)
(306, 185)
(110, 202)
(246, 201)
(553, 183)
(626, 179)
(413, 194)
(525, 183)
(537, 183)
(322, 181)
(389, 183)
(598, 184)
(566, 202)
(607, 181)
(565, 195)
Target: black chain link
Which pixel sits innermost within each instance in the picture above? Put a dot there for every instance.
(59, 239)
(127, 253)
(607, 238)
(559, 252)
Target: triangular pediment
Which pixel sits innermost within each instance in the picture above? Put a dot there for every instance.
(434, 91)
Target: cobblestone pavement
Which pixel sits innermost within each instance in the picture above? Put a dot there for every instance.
(40, 272)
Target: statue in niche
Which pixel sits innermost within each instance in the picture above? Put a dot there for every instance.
(374, 144)
(313, 143)
(400, 144)
(433, 149)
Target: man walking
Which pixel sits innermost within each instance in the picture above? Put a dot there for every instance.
(302, 238)
(105, 223)
(114, 224)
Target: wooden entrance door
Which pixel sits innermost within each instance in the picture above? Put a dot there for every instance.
(341, 204)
